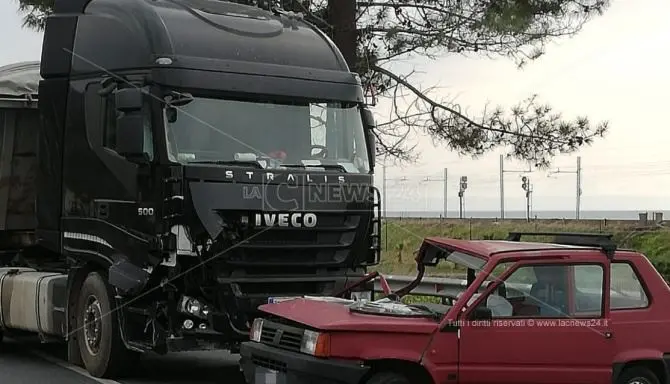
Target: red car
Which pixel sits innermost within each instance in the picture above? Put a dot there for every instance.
(532, 313)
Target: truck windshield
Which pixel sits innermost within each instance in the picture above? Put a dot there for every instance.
(226, 131)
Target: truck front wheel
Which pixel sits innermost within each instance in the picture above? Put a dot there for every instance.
(388, 378)
(100, 344)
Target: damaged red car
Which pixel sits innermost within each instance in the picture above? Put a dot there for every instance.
(575, 310)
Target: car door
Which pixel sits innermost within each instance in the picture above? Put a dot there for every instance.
(552, 338)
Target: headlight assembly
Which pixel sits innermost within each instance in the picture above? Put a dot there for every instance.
(315, 344)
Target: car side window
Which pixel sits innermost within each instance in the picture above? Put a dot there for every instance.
(588, 290)
(626, 290)
(535, 291)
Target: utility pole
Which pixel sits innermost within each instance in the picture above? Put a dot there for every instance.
(502, 188)
(461, 193)
(444, 193)
(384, 211)
(528, 187)
(578, 192)
(579, 186)
(502, 184)
(384, 188)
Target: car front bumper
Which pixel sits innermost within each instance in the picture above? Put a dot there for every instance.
(263, 364)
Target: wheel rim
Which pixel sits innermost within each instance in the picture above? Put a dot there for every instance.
(93, 325)
(639, 380)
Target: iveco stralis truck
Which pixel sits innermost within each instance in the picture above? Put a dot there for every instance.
(170, 165)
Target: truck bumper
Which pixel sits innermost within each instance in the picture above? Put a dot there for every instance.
(263, 364)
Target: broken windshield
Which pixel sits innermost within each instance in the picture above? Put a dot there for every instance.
(208, 130)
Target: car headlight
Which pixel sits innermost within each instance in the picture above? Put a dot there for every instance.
(256, 330)
(315, 344)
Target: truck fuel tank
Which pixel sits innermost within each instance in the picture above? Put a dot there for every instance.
(33, 301)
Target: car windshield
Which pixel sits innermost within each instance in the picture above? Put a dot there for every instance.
(272, 134)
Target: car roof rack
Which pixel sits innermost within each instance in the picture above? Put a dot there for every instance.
(601, 240)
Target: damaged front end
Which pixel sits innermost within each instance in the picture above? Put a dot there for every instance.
(223, 255)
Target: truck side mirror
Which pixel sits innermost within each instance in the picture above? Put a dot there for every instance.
(370, 125)
(129, 99)
(481, 313)
(130, 135)
(372, 147)
(129, 104)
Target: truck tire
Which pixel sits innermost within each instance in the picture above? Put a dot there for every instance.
(638, 375)
(388, 378)
(100, 345)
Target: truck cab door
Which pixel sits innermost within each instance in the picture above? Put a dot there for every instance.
(118, 182)
(134, 142)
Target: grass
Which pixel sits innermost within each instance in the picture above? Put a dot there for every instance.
(401, 238)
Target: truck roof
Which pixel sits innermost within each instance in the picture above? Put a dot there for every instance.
(20, 79)
(124, 34)
(488, 248)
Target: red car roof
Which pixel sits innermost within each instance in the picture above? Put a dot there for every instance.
(488, 248)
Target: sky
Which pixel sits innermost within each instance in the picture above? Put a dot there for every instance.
(615, 69)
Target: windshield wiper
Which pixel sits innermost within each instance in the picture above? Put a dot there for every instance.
(324, 166)
(238, 163)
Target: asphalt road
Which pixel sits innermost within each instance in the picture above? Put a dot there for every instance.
(30, 362)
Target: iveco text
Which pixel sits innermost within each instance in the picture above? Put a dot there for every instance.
(286, 219)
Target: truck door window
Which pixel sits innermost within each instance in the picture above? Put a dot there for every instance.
(543, 291)
(626, 290)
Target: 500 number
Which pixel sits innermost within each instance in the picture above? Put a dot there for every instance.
(145, 211)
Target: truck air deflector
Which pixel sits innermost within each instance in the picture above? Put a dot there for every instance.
(136, 33)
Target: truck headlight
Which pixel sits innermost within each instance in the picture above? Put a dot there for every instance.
(315, 344)
(256, 330)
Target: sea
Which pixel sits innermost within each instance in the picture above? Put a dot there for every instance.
(584, 215)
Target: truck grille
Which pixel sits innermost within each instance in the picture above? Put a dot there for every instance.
(281, 336)
(332, 242)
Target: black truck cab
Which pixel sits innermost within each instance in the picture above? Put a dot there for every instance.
(205, 157)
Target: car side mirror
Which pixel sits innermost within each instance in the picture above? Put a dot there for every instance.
(481, 313)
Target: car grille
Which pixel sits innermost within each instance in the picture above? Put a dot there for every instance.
(281, 336)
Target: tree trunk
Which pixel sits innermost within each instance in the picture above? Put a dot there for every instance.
(342, 16)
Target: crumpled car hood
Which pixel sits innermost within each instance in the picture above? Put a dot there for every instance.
(331, 314)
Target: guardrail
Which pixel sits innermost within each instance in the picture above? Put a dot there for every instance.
(429, 286)
(439, 286)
